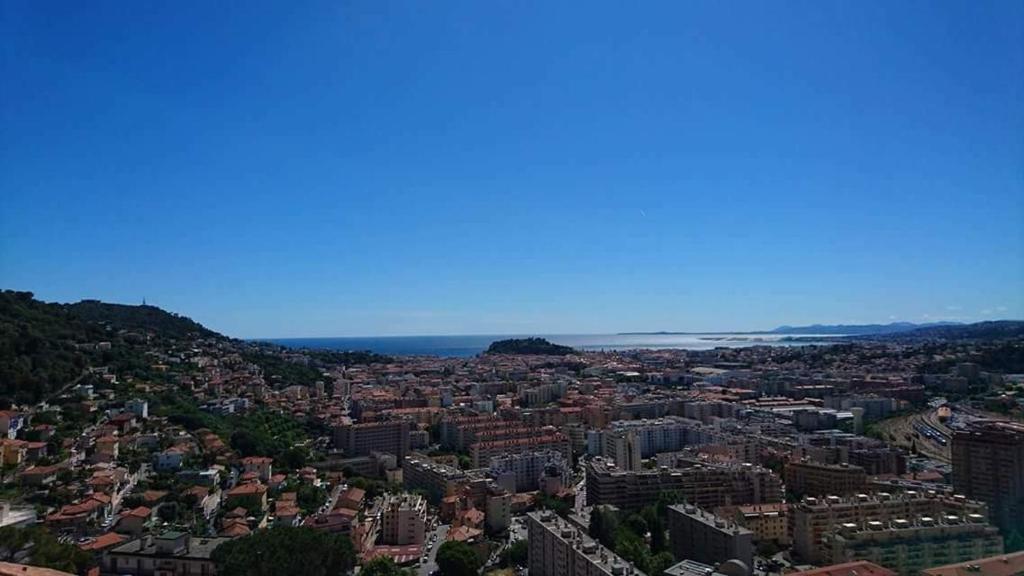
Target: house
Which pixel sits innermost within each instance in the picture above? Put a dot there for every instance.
(39, 475)
(11, 422)
(247, 496)
(235, 528)
(134, 521)
(107, 448)
(207, 499)
(140, 408)
(260, 466)
(76, 516)
(169, 460)
(102, 542)
(14, 451)
(351, 498)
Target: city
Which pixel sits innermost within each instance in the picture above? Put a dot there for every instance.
(175, 446)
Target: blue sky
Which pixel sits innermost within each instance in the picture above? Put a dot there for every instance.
(312, 169)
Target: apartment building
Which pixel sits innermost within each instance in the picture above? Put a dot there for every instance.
(699, 535)
(403, 520)
(558, 548)
(812, 517)
(621, 447)
(391, 437)
(522, 472)
(437, 480)
(482, 452)
(707, 485)
(166, 553)
(988, 465)
(768, 522)
(910, 545)
(807, 478)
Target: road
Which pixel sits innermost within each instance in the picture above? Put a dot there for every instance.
(441, 532)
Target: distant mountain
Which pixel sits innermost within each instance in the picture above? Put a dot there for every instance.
(532, 346)
(992, 330)
(858, 329)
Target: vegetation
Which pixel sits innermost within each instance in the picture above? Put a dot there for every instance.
(259, 432)
(383, 566)
(45, 347)
(43, 550)
(628, 537)
(457, 559)
(532, 346)
(515, 555)
(286, 550)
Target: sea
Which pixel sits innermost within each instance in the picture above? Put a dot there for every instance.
(471, 345)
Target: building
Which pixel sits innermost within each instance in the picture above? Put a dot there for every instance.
(1001, 565)
(807, 478)
(361, 439)
(12, 569)
(261, 466)
(404, 520)
(17, 516)
(988, 465)
(910, 545)
(436, 480)
(621, 447)
(522, 472)
(482, 452)
(768, 522)
(558, 548)
(811, 518)
(858, 568)
(168, 553)
(707, 485)
(698, 535)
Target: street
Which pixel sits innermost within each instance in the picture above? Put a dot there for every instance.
(430, 549)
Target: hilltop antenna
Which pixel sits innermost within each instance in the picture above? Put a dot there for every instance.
(143, 300)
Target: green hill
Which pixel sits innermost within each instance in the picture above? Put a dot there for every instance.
(45, 346)
(532, 346)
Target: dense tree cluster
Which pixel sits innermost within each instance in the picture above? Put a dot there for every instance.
(286, 550)
(532, 346)
(42, 549)
(458, 559)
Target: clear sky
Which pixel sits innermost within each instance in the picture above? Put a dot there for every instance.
(368, 168)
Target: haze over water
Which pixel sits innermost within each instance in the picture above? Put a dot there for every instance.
(470, 345)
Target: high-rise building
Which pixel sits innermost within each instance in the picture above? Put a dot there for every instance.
(391, 437)
(704, 537)
(988, 465)
(404, 520)
(558, 548)
(621, 447)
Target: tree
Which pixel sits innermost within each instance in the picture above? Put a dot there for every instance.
(604, 524)
(516, 555)
(285, 550)
(457, 559)
(42, 549)
(382, 566)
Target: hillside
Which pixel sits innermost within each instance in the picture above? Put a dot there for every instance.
(45, 346)
(993, 330)
(858, 329)
(137, 318)
(532, 346)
